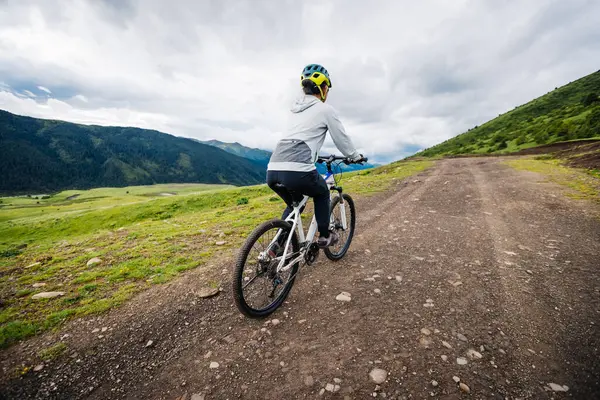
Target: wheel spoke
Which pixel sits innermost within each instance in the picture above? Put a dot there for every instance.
(344, 234)
(261, 286)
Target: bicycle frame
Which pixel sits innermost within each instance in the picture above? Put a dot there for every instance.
(295, 218)
(285, 245)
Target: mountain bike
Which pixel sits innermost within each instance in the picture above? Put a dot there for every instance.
(271, 257)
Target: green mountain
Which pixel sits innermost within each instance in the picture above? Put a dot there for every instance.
(262, 156)
(39, 155)
(566, 113)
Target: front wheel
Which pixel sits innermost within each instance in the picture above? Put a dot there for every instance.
(258, 289)
(337, 251)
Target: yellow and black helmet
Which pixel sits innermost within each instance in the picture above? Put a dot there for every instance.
(313, 76)
(316, 73)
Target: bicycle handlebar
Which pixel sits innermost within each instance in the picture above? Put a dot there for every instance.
(345, 160)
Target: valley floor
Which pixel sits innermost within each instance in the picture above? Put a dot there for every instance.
(470, 270)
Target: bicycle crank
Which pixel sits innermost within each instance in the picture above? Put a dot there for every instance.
(311, 254)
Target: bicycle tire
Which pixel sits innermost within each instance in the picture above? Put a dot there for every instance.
(351, 223)
(240, 265)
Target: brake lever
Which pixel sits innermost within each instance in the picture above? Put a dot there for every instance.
(362, 161)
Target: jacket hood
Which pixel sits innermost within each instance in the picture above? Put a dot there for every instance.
(304, 102)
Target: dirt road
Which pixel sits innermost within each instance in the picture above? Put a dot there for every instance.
(471, 270)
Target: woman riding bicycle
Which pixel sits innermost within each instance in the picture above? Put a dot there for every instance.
(292, 164)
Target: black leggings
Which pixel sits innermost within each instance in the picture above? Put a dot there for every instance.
(303, 183)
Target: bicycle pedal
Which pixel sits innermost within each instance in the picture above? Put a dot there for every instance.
(312, 253)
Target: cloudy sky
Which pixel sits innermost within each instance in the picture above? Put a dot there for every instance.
(406, 74)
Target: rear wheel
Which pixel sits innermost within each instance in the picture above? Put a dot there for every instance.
(258, 289)
(337, 251)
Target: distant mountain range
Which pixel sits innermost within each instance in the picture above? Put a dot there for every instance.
(38, 155)
(257, 155)
(566, 113)
(262, 156)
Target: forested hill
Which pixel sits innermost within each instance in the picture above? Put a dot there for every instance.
(260, 156)
(569, 112)
(39, 155)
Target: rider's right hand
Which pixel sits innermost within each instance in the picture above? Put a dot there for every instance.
(358, 159)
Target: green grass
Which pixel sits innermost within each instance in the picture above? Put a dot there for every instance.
(79, 201)
(142, 238)
(594, 172)
(581, 183)
(52, 352)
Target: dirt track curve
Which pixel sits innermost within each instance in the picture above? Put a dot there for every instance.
(472, 261)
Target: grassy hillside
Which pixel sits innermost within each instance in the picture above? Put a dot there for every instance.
(43, 156)
(142, 238)
(569, 112)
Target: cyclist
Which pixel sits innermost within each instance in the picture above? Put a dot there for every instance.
(292, 164)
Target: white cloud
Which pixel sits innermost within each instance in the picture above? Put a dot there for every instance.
(81, 98)
(406, 75)
(44, 89)
(57, 109)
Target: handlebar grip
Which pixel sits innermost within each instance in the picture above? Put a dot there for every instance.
(345, 160)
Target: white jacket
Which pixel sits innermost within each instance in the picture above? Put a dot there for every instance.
(307, 127)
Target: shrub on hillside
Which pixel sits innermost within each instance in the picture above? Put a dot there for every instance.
(499, 138)
(590, 99)
(540, 137)
(557, 129)
(521, 140)
(593, 120)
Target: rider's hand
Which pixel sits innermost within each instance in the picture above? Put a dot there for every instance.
(357, 158)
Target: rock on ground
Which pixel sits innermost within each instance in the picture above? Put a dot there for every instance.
(344, 296)
(47, 295)
(558, 388)
(473, 354)
(93, 261)
(208, 292)
(378, 375)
